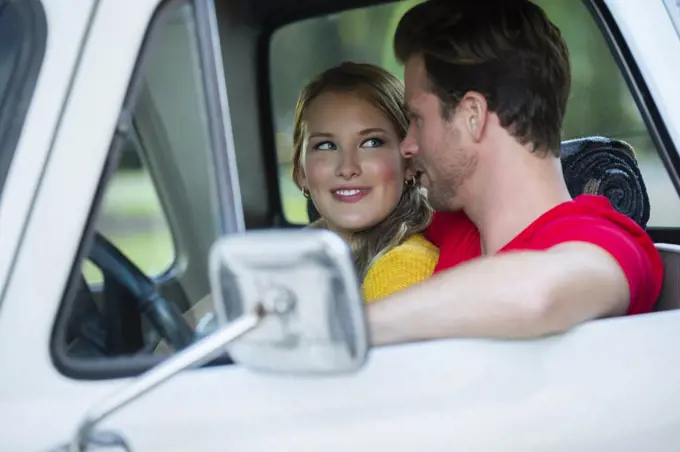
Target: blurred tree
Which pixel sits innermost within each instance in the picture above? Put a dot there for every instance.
(388, 59)
(298, 52)
(599, 103)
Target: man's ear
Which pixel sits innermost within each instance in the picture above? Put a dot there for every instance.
(474, 109)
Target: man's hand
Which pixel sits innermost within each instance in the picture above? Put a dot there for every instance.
(513, 295)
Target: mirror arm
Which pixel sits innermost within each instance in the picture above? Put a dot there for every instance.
(193, 356)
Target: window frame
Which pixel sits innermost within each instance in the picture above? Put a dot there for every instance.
(227, 191)
(15, 102)
(171, 270)
(270, 23)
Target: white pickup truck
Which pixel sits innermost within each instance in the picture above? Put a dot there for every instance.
(99, 345)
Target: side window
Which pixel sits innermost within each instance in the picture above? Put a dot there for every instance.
(133, 219)
(23, 33)
(141, 286)
(600, 104)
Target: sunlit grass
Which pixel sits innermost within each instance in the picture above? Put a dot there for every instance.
(131, 197)
(152, 251)
(295, 209)
(131, 193)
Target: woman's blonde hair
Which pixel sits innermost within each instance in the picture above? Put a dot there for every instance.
(412, 213)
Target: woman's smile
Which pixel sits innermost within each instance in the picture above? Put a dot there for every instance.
(350, 194)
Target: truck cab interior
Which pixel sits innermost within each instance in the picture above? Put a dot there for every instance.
(269, 49)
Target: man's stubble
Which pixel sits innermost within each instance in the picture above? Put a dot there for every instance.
(453, 167)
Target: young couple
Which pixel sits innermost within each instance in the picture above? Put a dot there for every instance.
(476, 135)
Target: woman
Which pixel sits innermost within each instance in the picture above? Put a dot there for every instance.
(348, 124)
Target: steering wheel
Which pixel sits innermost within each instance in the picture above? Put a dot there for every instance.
(163, 315)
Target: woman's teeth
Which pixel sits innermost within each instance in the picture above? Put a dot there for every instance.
(347, 192)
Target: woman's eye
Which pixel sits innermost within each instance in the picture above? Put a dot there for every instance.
(325, 146)
(373, 143)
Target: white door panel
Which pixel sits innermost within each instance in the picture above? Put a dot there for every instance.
(606, 386)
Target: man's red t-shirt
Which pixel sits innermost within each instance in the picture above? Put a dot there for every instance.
(586, 218)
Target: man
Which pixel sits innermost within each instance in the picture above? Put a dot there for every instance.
(487, 90)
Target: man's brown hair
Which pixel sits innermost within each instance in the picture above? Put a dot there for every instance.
(507, 50)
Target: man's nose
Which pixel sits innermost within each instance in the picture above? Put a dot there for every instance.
(349, 165)
(409, 145)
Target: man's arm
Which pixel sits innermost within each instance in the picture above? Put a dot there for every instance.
(514, 295)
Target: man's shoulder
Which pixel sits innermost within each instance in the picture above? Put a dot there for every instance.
(409, 263)
(582, 219)
(586, 212)
(592, 219)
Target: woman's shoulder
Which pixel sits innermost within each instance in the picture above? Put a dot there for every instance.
(410, 262)
(415, 254)
(416, 244)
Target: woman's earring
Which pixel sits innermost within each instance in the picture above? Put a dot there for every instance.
(306, 193)
(410, 182)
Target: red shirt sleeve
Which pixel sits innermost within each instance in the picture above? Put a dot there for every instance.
(630, 246)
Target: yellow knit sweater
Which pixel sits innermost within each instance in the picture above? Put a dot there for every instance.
(404, 265)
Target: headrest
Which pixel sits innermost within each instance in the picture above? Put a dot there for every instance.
(598, 166)
(608, 167)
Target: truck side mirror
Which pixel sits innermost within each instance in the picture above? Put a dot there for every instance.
(286, 300)
(306, 278)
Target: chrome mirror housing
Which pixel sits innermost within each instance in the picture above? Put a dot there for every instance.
(308, 279)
